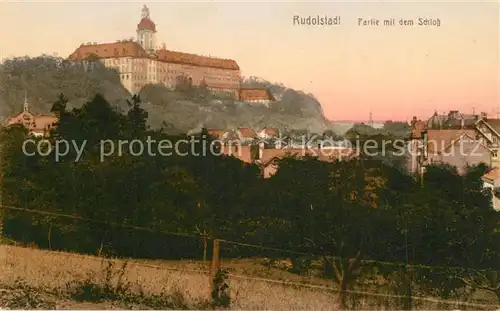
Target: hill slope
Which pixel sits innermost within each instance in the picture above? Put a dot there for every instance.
(45, 77)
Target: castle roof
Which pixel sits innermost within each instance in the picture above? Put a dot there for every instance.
(195, 60)
(135, 50)
(109, 50)
(146, 24)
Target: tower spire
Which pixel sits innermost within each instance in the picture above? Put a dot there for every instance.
(25, 106)
(145, 12)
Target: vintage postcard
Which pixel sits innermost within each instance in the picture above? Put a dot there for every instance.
(250, 155)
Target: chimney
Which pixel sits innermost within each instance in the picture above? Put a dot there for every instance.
(261, 150)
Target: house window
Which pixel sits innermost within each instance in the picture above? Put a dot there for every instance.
(494, 154)
(494, 139)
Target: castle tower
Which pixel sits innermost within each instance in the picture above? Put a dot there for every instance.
(146, 30)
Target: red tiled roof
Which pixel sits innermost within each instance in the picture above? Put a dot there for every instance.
(109, 50)
(146, 24)
(256, 94)
(196, 60)
(493, 174)
(247, 132)
(217, 133)
(37, 123)
(441, 139)
(135, 50)
(494, 123)
(271, 132)
(456, 140)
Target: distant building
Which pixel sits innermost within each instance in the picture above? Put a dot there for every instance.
(141, 62)
(454, 139)
(453, 120)
(489, 134)
(245, 134)
(491, 180)
(268, 159)
(268, 133)
(257, 95)
(219, 134)
(37, 125)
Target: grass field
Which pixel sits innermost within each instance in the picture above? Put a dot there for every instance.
(34, 278)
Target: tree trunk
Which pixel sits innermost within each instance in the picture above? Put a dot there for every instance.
(204, 249)
(49, 237)
(346, 273)
(342, 299)
(327, 267)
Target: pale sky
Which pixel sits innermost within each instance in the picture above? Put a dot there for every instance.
(394, 72)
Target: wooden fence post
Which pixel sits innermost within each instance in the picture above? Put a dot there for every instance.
(215, 263)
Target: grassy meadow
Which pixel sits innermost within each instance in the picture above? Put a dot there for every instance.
(34, 278)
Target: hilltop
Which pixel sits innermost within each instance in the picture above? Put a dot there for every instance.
(44, 77)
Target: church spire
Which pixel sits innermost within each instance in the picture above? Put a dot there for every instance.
(25, 101)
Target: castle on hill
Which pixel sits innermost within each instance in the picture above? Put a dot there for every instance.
(141, 62)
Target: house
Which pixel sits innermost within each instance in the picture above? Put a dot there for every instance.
(269, 158)
(462, 152)
(453, 120)
(241, 152)
(37, 125)
(460, 147)
(489, 134)
(268, 133)
(246, 134)
(491, 180)
(256, 95)
(219, 134)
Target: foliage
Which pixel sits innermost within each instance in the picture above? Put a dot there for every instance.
(361, 208)
(220, 291)
(21, 295)
(44, 77)
(397, 128)
(112, 286)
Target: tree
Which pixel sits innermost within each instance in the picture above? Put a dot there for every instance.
(59, 106)
(137, 117)
(182, 84)
(397, 128)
